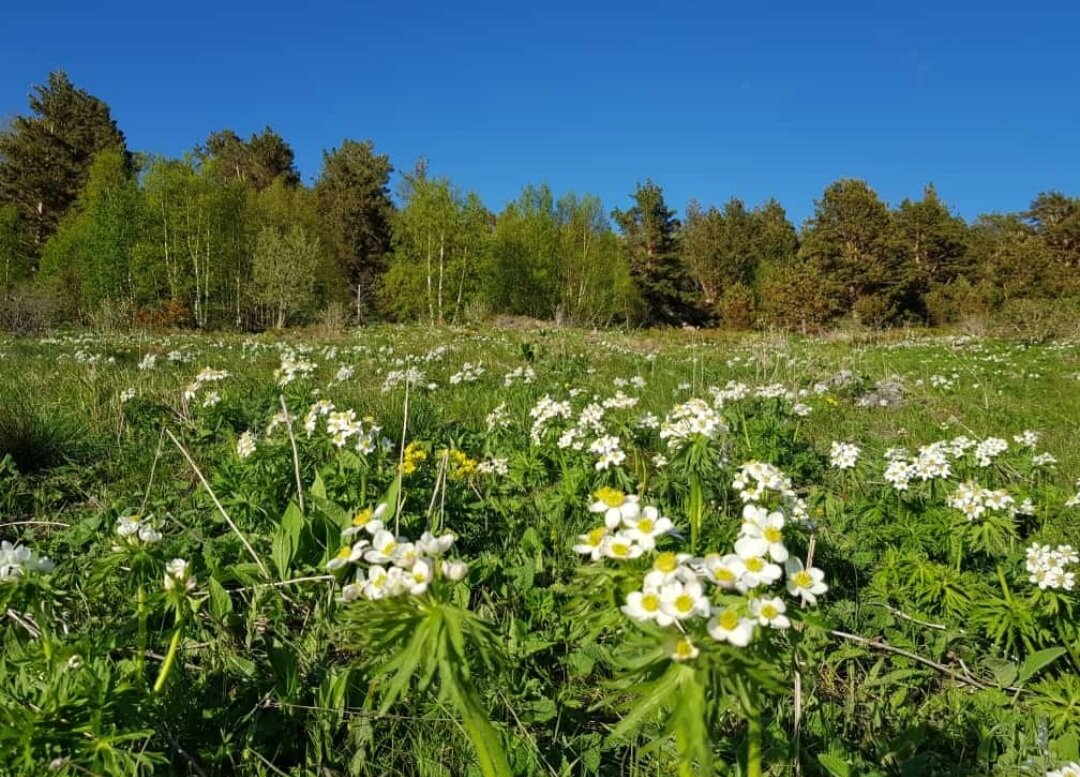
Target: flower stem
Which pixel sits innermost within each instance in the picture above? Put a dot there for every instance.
(696, 509)
(170, 657)
(753, 744)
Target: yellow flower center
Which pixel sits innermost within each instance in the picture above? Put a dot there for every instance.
(612, 497)
(619, 549)
(666, 562)
(769, 611)
(596, 536)
(362, 517)
(772, 534)
(684, 649)
(345, 552)
(729, 620)
(755, 564)
(645, 525)
(650, 602)
(684, 603)
(389, 548)
(802, 579)
(723, 574)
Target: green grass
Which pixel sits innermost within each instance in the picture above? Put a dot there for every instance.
(286, 679)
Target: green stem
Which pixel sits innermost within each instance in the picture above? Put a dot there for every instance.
(753, 744)
(696, 510)
(140, 609)
(170, 657)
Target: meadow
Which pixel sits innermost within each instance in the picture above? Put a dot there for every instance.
(415, 551)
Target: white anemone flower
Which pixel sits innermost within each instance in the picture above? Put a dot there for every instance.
(178, 577)
(807, 584)
(347, 554)
(430, 545)
(420, 576)
(620, 547)
(592, 544)
(644, 606)
(767, 531)
(454, 571)
(383, 545)
(685, 650)
(615, 506)
(758, 571)
(731, 627)
(682, 600)
(647, 527)
(366, 520)
(724, 571)
(770, 612)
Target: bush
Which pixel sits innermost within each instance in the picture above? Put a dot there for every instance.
(28, 308)
(736, 307)
(1038, 320)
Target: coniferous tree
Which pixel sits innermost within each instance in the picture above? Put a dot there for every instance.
(353, 196)
(45, 157)
(650, 240)
(931, 242)
(260, 160)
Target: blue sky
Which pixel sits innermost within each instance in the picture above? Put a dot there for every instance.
(709, 99)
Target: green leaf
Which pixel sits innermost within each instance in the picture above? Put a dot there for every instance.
(287, 539)
(220, 603)
(318, 487)
(834, 765)
(1005, 672)
(1037, 661)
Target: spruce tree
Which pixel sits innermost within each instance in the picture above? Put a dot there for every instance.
(650, 230)
(45, 157)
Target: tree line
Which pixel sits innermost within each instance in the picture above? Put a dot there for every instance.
(228, 236)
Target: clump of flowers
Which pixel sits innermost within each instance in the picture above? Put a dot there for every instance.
(459, 465)
(343, 426)
(694, 418)
(292, 367)
(608, 451)
(524, 374)
(469, 373)
(973, 500)
(205, 376)
(844, 455)
(178, 576)
(414, 455)
(758, 482)
(137, 530)
(245, 444)
(1049, 567)
(395, 566)
(19, 560)
(731, 595)
(543, 412)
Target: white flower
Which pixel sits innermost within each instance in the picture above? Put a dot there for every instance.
(758, 571)
(366, 520)
(455, 571)
(430, 545)
(347, 554)
(620, 547)
(644, 606)
(420, 576)
(18, 560)
(592, 544)
(770, 612)
(844, 455)
(647, 527)
(608, 451)
(616, 506)
(807, 584)
(177, 576)
(724, 571)
(245, 445)
(767, 529)
(731, 627)
(684, 650)
(682, 600)
(383, 545)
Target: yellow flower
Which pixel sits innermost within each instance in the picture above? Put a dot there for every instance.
(414, 454)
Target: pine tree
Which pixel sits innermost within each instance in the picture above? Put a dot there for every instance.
(352, 194)
(649, 229)
(259, 161)
(45, 157)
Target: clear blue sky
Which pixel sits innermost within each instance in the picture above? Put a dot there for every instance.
(710, 99)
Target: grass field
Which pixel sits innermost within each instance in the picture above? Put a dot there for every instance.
(538, 552)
